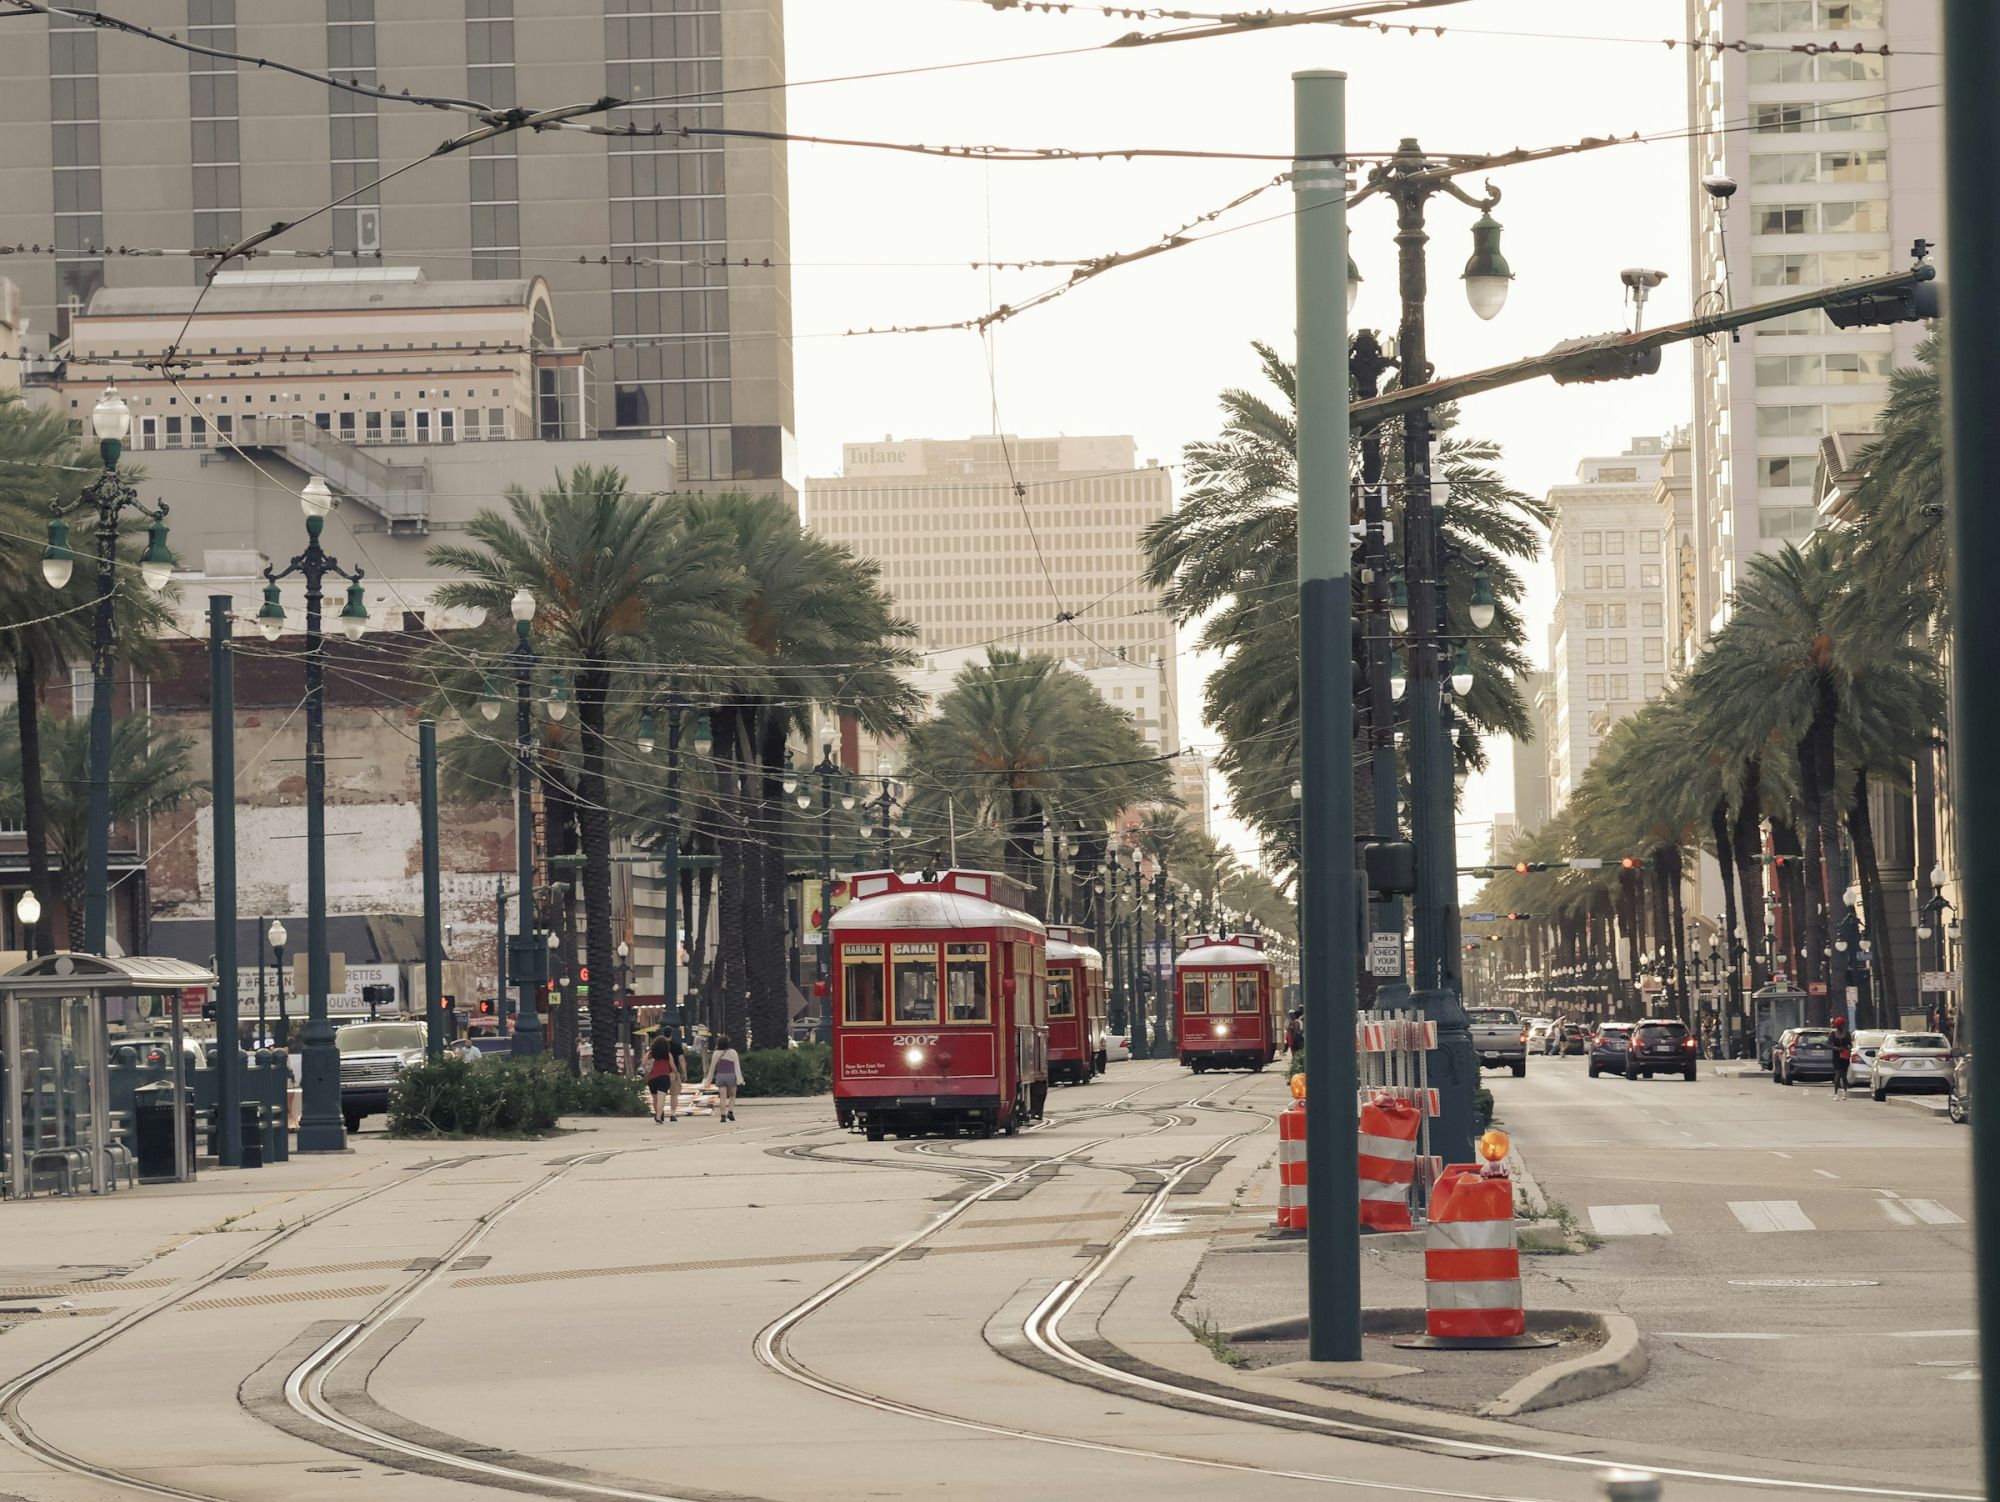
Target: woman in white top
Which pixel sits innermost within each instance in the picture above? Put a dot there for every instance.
(725, 1072)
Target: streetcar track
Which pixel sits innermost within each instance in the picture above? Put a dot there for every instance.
(1041, 1329)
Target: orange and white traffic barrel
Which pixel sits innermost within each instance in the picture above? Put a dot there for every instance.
(1387, 1162)
(1472, 1261)
(1292, 1167)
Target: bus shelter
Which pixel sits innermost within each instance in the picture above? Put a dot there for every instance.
(59, 1118)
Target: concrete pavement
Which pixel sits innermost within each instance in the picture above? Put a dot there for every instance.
(774, 1309)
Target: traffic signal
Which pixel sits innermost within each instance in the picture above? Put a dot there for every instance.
(1904, 305)
(1519, 917)
(1629, 862)
(1604, 357)
(486, 1006)
(1524, 867)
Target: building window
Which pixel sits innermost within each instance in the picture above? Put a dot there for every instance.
(1649, 576)
(1614, 576)
(1593, 617)
(1593, 577)
(1651, 613)
(1621, 686)
(1781, 472)
(1791, 422)
(1593, 544)
(1649, 543)
(1593, 687)
(1615, 616)
(1654, 649)
(1620, 649)
(1614, 544)
(1593, 652)
(1655, 685)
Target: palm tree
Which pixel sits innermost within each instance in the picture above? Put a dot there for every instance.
(42, 631)
(614, 576)
(150, 774)
(1017, 738)
(1228, 555)
(811, 626)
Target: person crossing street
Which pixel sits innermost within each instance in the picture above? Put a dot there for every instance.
(1843, 1054)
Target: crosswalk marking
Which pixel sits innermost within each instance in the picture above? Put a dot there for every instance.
(1770, 1215)
(1628, 1220)
(1896, 1213)
(1931, 1213)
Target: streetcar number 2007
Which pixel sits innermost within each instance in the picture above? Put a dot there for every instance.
(915, 1040)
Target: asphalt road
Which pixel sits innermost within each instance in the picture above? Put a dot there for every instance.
(1802, 1266)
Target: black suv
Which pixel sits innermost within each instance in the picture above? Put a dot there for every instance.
(1661, 1045)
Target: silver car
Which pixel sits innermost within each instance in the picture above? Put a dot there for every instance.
(1909, 1063)
(1861, 1059)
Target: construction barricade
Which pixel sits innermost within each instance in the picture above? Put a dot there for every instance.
(1292, 1167)
(1388, 1163)
(1472, 1261)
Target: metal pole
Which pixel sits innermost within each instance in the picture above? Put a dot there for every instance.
(527, 1021)
(263, 1021)
(670, 872)
(822, 968)
(1972, 230)
(222, 778)
(427, 779)
(1135, 972)
(1368, 362)
(1327, 896)
(500, 954)
(322, 1129)
(97, 860)
(283, 1036)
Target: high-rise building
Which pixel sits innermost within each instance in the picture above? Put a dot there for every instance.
(667, 251)
(1531, 757)
(1023, 543)
(1673, 496)
(1827, 127)
(1607, 637)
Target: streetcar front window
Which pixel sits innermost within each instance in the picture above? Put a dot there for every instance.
(1194, 995)
(915, 972)
(965, 982)
(861, 983)
(1246, 993)
(1062, 1003)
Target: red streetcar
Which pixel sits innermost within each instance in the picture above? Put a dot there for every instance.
(940, 1008)
(1078, 1014)
(1226, 1003)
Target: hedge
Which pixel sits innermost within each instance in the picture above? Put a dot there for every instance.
(503, 1098)
(805, 1070)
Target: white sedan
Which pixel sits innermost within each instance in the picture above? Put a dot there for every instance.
(1117, 1046)
(1909, 1063)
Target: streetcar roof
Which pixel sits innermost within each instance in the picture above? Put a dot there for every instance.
(1066, 943)
(1223, 949)
(953, 899)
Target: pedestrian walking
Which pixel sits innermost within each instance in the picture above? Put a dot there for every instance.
(725, 1072)
(1295, 1034)
(664, 1074)
(1843, 1052)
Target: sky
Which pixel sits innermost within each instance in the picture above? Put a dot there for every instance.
(885, 238)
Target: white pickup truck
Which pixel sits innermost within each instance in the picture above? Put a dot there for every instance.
(1499, 1037)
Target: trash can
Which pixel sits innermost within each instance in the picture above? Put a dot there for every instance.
(153, 1129)
(252, 1117)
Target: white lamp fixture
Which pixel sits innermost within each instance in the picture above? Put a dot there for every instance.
(1487, 275)
(111, 419)
(315, 500)
(28, 909)
(523, 606)
(275, 934)
(58, 562)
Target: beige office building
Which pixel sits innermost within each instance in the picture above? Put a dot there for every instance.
(1608, 636)
(1839, 171)
(994, 540)
(115, 140)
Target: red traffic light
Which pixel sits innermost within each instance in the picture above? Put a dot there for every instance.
(1522, 867)
(583, 974)
(1629, 862)
(486, 1006)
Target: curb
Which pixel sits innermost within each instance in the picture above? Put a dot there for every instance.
(1933, 1104)
(1616, 1364)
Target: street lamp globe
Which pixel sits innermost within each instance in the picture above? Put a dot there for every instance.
(28, 909)
(704, 738)
(58, 562)
(826, 734)
(522, 606)
(1399, 606)
(624, 950)
(804, 800)
(647, 738)
(271, 614)
(157, 566)
(1398, 678)
(315, 500)
(1461, 672)
(489, 699)
(275, 934)
(558, 697)
(1483, 602)
(1353, 284)
(354, 614)
(1925, 931)
(1487, 274)
(555, 941)
(111, 419)
(1852, 896)
(1937, 876)
(846, 795)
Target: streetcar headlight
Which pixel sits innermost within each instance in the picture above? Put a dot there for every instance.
(1221, 1029)
(913, 1057)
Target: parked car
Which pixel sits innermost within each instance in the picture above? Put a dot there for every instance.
(1861, 1062)
(1912, 1064)
(1802, 1053)
(372, 1055)
(1499, 1038)
(1958, 1104)
(1661, 1045)
(1608, 1047)
(1117, 1046)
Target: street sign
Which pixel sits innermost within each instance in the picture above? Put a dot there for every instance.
(1385, 956)
(1938, 980)
(1586, 863)
(1816, 988)
(193, 998)
(1478, 917)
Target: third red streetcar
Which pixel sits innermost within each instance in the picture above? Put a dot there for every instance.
(1078, 1010)
(1226, 1003)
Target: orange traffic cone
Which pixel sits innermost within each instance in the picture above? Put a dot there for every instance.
(1388, 1161)
(1292, 1167)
